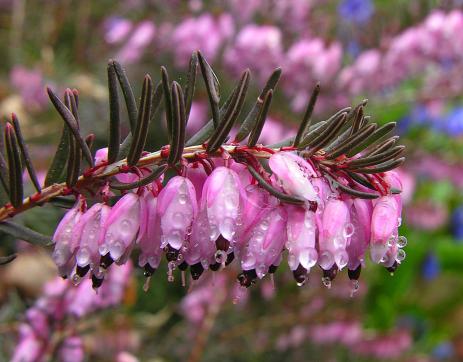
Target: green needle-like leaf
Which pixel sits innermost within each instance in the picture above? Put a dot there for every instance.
(57, 167)
(305, 124)
(114, 115)
(14, 166)
(156, 173)
(24, 233)
(178, 125)
(212, 88)
(25, 152)
(190, 83)
(230, 116)
(127, 92)
(144, 117)
(379, 133)
(71, 122)
(257, 130)
(251, 118)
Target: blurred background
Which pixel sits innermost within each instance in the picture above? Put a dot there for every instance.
(405, 56)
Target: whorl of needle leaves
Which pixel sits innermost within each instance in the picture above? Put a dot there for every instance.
(348, 148)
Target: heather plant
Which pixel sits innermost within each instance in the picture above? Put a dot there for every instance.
(235, 294)
(326, 195)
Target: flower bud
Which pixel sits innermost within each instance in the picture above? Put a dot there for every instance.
(293, 173)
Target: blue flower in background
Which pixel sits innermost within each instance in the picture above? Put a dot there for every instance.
(356, 11)
(454, 122)
(431, 267)
(457, 223)
(444, 350)
(450, 123)
(353, 48)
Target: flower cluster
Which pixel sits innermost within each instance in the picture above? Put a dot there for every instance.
(214, 212)
(57, 310)
(428, 45)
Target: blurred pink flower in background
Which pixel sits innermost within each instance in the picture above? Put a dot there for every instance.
(257, 47)
(198, 116)
(306, 62)
(117, 29)
(274, 131)
(206, 33)
(61, 299)
(426, 215)
(30, 85)
(140, 38)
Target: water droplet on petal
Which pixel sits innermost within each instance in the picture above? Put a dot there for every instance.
(126, 224)
(341, 258)
(326, 260)
(116, 250)
(178, 220)
(402, 242)
(175, 239)
(182, 199)
(83, 257)
(339, 242)
(400, 255)
(349, 230)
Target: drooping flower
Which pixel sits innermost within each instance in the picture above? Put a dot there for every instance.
(121, 228)
(63, 238)
(177, 207)
(302, 230)
(222, 198)
(150, 240)
(334, 235)
(90, 233)
(360, 216)
(383, 226)
(264, 244)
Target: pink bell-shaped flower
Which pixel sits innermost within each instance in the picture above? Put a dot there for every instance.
(360, 216)
(122, 226)
(198, 176)
(293, 174)
(301, 229)
(265, 241)
(149, 239)
(256, 200)
(223, 201)
(177, 207)
(334, 235)
(90, 234)
(200, 249)
(384, 223)
(63, 239)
